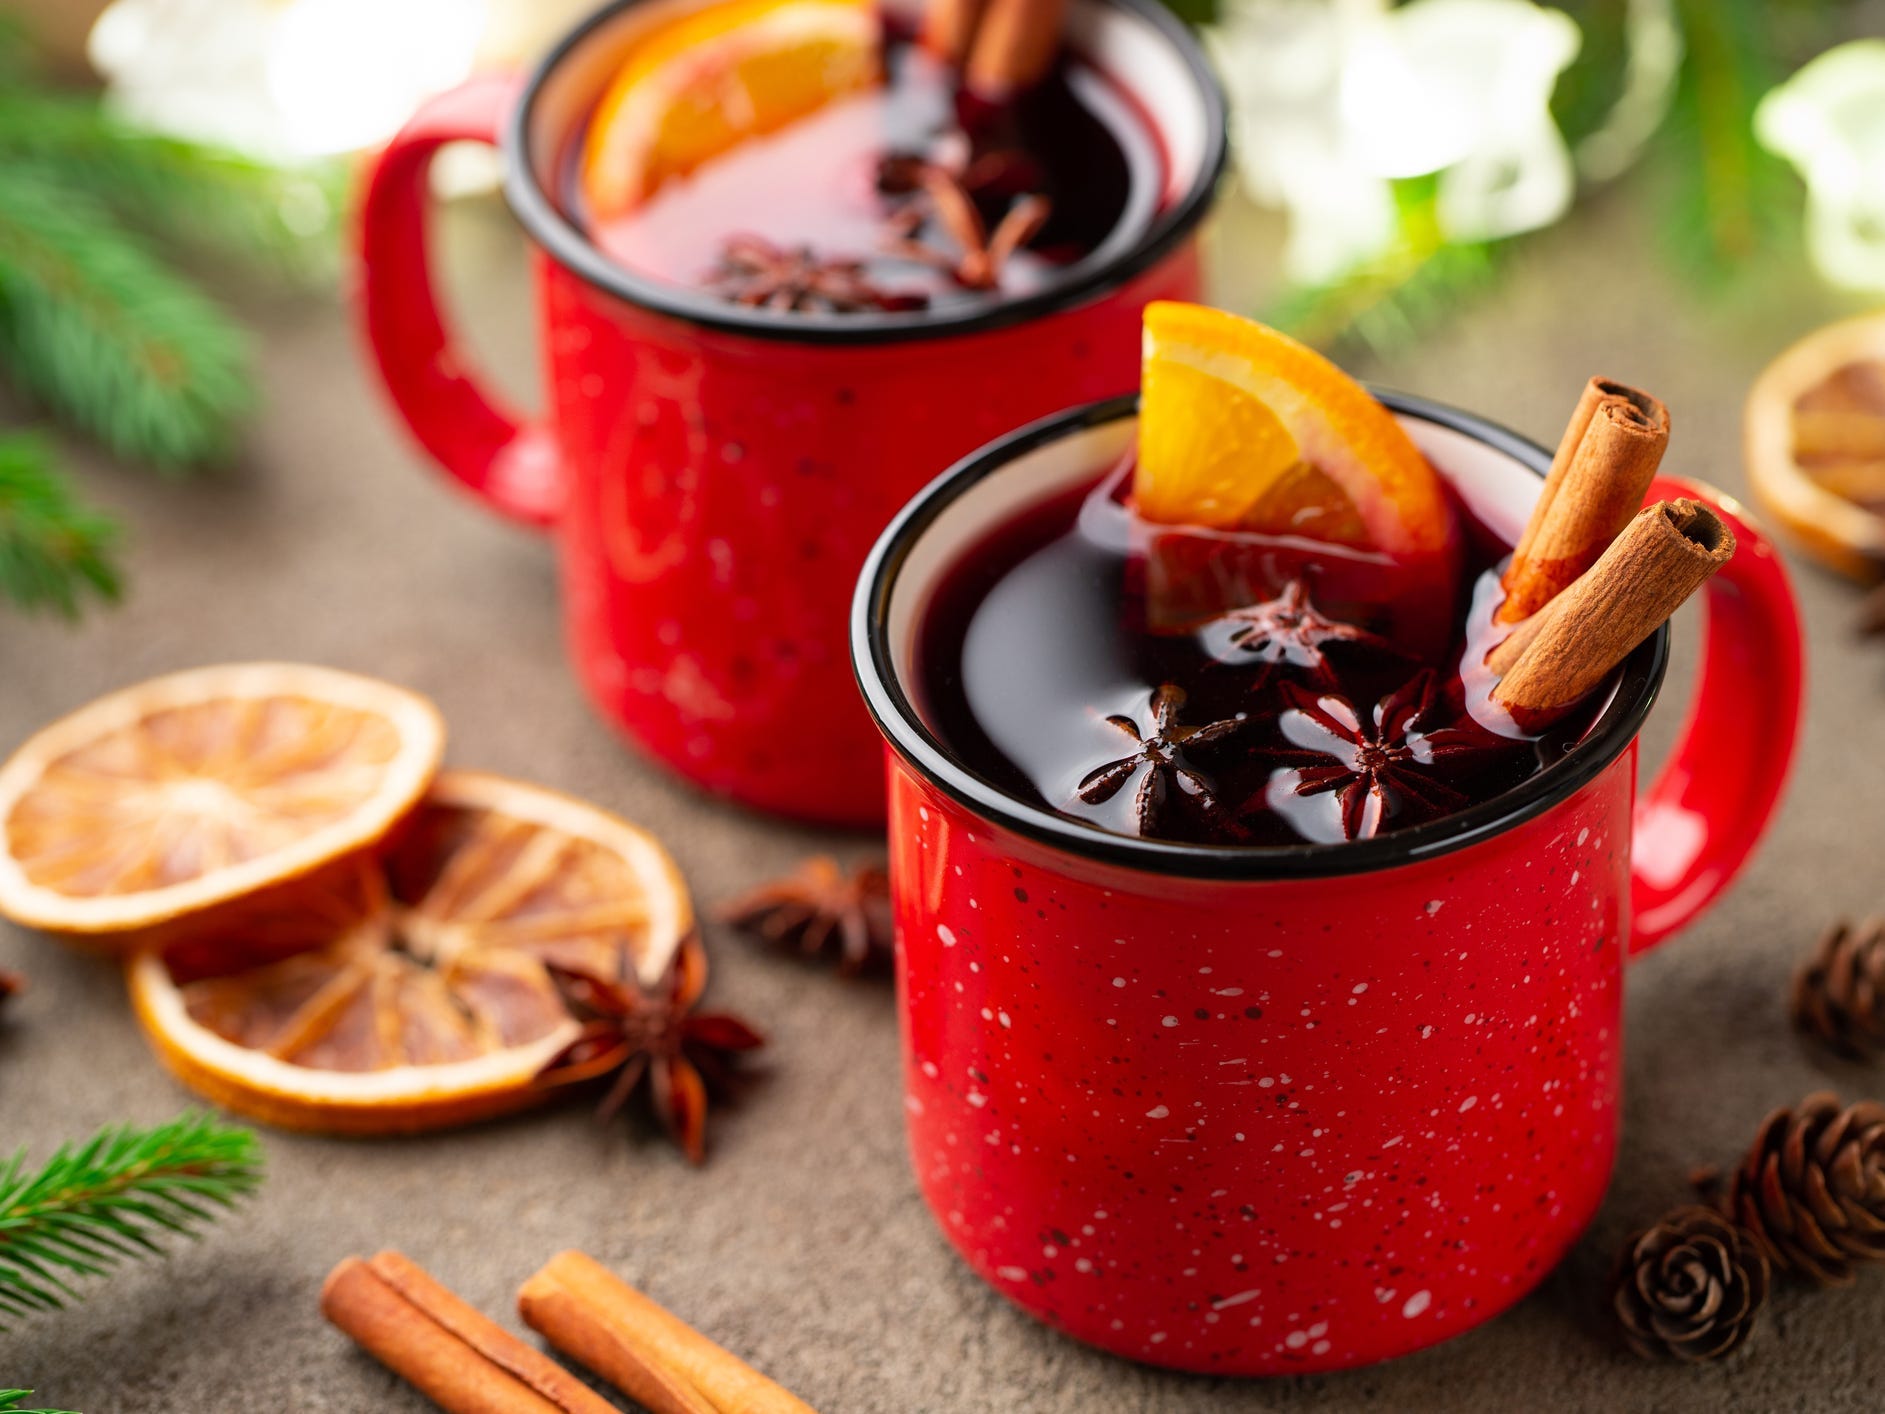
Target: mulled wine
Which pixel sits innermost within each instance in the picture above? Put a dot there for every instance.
(903, 191)
(1320, 701)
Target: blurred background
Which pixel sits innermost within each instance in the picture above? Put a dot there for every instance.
(164, 163)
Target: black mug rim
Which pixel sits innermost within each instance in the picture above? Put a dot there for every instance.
(538, 213)
(920, 749)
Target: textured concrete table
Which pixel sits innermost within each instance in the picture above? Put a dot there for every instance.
(803, 1243)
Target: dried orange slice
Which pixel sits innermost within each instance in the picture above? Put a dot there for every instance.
(410, 992)
(187, 792)
(1814, 438)
(698, 86)
(1243, 428)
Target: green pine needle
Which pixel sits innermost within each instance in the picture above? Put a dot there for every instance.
(106, 336)
(54, 550)
(115, 1197)
(1723, 192)
(1385, 306)
(1387, 303)
(190, 194)
(10, 1402)
(93, 323)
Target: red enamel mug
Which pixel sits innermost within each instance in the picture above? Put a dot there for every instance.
(714, 474)
(1267, 1111)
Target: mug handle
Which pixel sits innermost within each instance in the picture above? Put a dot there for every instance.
(509, 462)
(1697, 824)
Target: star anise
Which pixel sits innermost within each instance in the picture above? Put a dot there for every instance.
(11, 985)
(948, 197)
(633, 1034)
(1378, 766)
(1872, 614)
(1160, 754)
(819, 904)
(1287, 629)
(755, 272)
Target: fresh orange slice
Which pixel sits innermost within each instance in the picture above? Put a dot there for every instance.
(1243, 428)
(410, 992)
(172, 797)
(1814, 436)
(698, 86)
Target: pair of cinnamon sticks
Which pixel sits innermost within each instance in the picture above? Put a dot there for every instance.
(1593, 576)
(1001, 46)
(468, 1364)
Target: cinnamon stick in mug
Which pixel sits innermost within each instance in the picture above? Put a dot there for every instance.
(1664, 555)
(949, 28)
(595, 1317)
(1015, 46)
(1598, 478)
(458, 1358)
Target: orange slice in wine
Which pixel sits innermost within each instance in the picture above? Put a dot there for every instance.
(410, 991)
(1815, 443)
(698, 86)
(1243, 428)
(170, 799)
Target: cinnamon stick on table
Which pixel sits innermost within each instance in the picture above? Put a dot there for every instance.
(1662, 557)
(456, 1356)
(593, 1316)
(1604, 464)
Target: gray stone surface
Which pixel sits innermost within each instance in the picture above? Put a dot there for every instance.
(803, 1243)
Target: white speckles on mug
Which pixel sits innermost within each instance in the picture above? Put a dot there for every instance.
(1365, 1108)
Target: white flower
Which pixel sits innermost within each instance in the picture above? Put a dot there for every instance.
(282, 79)
(1829, 121)
(1334, 100)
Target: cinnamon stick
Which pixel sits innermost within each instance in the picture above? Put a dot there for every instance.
(949, 29)
(457, 1357)
(1014, 45)
(593, 1316)
(1604, 464)
(1662, 557)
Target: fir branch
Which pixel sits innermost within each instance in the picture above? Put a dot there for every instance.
(113, 1198)
(1386, 303)
(54, 550)
(19, 58)
(10, 1403)
(106, 336)
(1592, 82)
(184, 192)
(1728, 201)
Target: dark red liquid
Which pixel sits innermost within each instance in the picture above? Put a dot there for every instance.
(1042, 643)
(1077, 138)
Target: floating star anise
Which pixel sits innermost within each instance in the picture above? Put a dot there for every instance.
(1287, 629)
(755, 272)
(1160, 755)
(684, 1055)
(948, 197)
(818, 904)
(1379, 765)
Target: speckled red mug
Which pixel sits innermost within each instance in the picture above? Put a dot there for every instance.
(1272, 1111)
(716, 474)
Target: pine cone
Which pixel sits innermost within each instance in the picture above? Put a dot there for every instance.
(1690, 1287)
(1839, 992)
(1811, 1190)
